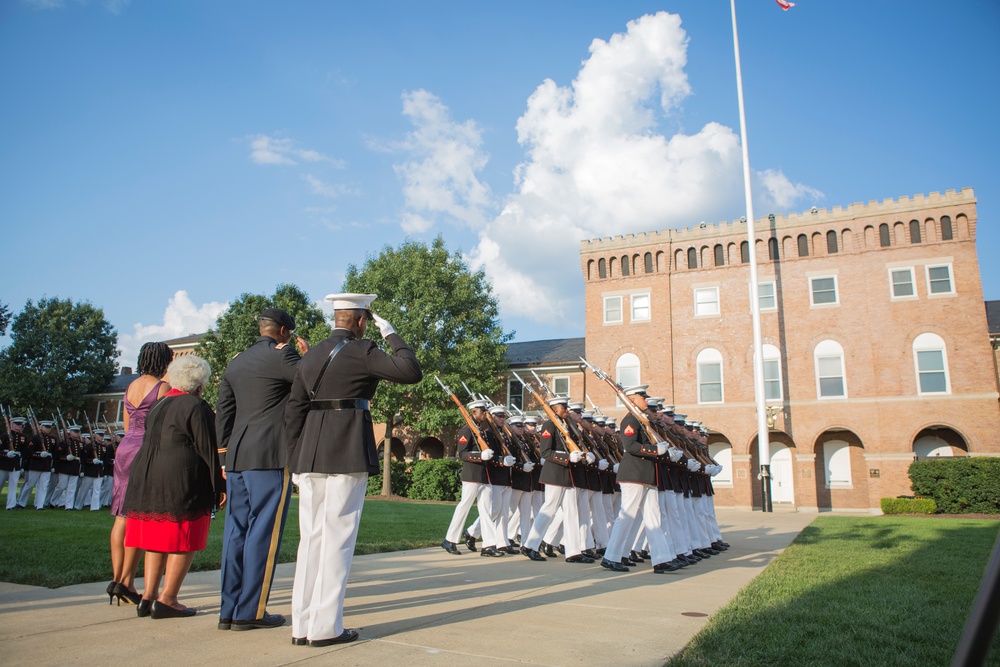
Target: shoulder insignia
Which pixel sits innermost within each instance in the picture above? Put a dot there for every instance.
(629, 430)
(546, 434)
(463, 440)
(281, 346)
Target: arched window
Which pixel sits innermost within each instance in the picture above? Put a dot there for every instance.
(590, 270)
(914, 231)
(772, 373)
(883, 235)
(946, 233)
(612, 266)
(830, 378)
(625, 267)
(602, 268)
(831, 242)
(931, 361)
(692, 258)
(745, 252)
(722, 453)
(647, 262)
(772, 249)
(720, 255)
(709, 364)
(803, 245)
(627, 371)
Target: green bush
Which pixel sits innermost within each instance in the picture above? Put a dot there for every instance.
(399, 477)
(959, 485)
(908, 506)
(436, 479)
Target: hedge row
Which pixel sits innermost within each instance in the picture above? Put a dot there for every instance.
(908, 506)
(959, 485)
(429, 479)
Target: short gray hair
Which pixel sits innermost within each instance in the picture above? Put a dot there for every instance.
(188, 373)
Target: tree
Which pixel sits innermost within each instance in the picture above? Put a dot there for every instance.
(59, 352)
(236, 329)
(4, 318)
(448, 315)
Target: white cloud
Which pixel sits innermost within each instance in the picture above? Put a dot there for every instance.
(781, 193)
(181, 318)
(269, 150)
(324, 189)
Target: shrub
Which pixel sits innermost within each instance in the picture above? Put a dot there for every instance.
(400, 479)
(436, 479)
(959, 485)
(908, 506)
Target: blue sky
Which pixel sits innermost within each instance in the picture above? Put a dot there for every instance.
(161, 158)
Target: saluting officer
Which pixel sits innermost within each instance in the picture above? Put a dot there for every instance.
(12, 451)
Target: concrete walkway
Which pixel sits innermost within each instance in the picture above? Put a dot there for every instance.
(422, 607)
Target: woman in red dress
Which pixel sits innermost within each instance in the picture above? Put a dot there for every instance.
(174, 484)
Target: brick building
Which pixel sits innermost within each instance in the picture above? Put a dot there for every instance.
(875, 342)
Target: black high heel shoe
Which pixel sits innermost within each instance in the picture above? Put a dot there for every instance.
(125, 595)
(110, 590)
(144, 608)
(161, 610)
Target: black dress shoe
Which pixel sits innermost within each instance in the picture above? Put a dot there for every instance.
(470, 541)
(679, 563)
(225, 623)
(628, 562)
(561, 549)
(635, 556)
(719, 545)
(491, 551)
(345, 636)
(268, 621)
(451, 548)
(512, 550)
(600, 552)
(549, 551)
(160, 610)
(711, 550)
(532, 554)
(660, 568)
(613, 566)
(579, 558)
(144, 608)
(590, 553)
(645, 554)
(299, 641)
(701, 553)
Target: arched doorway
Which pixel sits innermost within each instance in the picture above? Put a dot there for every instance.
(429, 448)
(397, 450)
(782, 474)
(938, 441)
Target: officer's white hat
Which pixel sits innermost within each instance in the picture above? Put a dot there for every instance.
(351, 301)
(19, 420)
(498, 410)
(637, 389)
(587, 414)
(576, 406)
(558, 399)
(476, 404)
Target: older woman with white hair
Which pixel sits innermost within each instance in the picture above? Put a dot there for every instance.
(175, 482)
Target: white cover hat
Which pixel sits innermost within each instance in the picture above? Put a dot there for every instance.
(351, 301)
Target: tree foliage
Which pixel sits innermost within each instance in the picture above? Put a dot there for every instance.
(236, 329)
(447, 315)
(4, 318)
(59, 352)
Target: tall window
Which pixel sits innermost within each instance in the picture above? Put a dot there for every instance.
(883, 235)
(720, 255)
(823, 290)
(640, 307)
(946, 234)
(831, 242)
(902, 283)
(939, 280)
(560, 385)
(772, 249)
(829, 360)
(625, 266)
(515, 394)
(602, 268)
(931, 361)
(692, 258)
(627, 370)
(803, 245)
(772, 373)
(647, 262)
(914, 231)
(709, 376)
(612, 309)
(722, 453)
(706, 301)
(745, 252)
(837, 462)
(768, 298)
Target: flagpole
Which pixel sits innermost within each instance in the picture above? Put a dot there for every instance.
(763, 444)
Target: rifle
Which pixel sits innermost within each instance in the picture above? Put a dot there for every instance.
(6, 422)
(570, 442)
(483, 445)
(493, 427)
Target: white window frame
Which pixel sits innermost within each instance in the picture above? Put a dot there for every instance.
(710, 357)
(510, 403)
(621, 314)
(930, 342)
(627, 361)
(892, 284)
(774, 296)
(633, 307)
(951, 281)
(772, 354)
(834, 452)
(829, 349)
(836, 292)
(707, 290)
(556, 379)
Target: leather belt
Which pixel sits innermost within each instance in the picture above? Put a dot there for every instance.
(340, 404)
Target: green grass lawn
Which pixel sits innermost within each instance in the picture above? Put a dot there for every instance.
(855, 591)
(56, 548)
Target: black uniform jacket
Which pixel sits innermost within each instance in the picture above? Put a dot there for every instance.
(19, 444)
(474, 469)
(342, 441)
(553, 450)
(637, 466)
(251, 408)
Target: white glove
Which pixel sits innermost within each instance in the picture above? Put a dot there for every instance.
(46, 455)
(615, 469)
(528, 467)
(675, 454)
(486, 454)
(11, 455)
(541, 461)
(384, 327)
(661, 448)
(602, 464)
(693, 465)
(509, 461)
(575, 456)
(70, 457)
(590, 457)
(98, 462)
(716, 470)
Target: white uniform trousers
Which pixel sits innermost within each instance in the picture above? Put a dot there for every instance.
(665, 522)
(699, 538)
(502, 514)
(107, 488)
(97, 492)
(84, 491)
(10, 478)
(708, 507)
(65, 493)
(470, 492)
(583, 497)
(39, 481)
(520, 518)
(676, 526)
(537, 499)
(556, 497)
(638, 502)
(607, 499)
(598, 520)
(329, 514)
